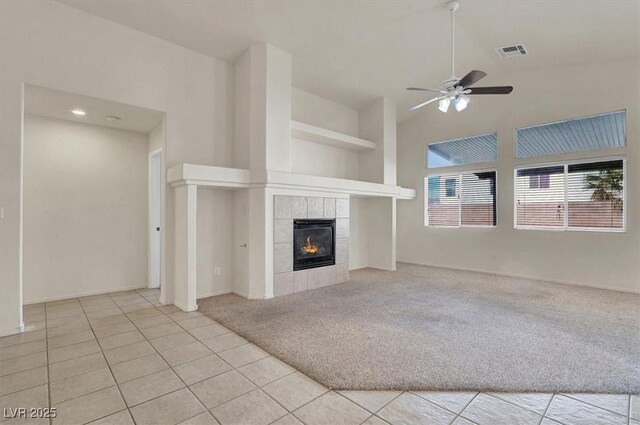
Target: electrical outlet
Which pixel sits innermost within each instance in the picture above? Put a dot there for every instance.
(216, 271)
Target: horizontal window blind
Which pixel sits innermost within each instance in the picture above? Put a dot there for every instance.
(478, 201)
(536, 204)
(605, 131)
(585, 195)
(443, 204)
(469, 150)
(465, 199)
(595, 195)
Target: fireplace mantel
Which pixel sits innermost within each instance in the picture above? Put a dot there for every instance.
(237, 178)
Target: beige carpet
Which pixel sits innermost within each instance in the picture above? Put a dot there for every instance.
(425, 328)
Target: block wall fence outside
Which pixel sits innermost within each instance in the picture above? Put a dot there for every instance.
(285, 210)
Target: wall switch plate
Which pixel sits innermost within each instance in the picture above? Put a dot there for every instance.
(216, 271)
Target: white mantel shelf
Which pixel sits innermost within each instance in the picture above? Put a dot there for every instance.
(323, 136)
(237, 178)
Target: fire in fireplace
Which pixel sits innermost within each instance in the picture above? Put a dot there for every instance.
(314, 243)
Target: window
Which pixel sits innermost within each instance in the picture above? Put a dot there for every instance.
(465, 199)
(451, 186)
(580, 195)
(604, 131)
(539, 181)
(469, 150)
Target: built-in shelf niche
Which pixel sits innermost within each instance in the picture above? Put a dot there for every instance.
(311, 133)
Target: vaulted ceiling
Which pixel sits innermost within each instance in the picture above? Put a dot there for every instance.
(355, 51)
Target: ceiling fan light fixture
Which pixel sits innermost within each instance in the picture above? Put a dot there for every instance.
(461, 102)
(444, 104)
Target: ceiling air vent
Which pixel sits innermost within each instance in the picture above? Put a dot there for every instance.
(509, 51)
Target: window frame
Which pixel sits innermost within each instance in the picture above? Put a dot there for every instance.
(565, 164)
(458, 176)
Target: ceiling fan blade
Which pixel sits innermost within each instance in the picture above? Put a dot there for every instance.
(471, 78)
(426, 103)
(424, 89)
(490, 90)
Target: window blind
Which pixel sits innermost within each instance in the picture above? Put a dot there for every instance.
(443, 204)
(584, 195)
(605, 131)
(478, 201)
(595, 195)
(469, 150)
(464, 199)
(540, 204)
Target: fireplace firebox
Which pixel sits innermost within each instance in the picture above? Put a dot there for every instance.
(314, 243)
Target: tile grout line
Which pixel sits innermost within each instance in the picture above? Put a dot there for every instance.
(513, 404)
(443, 407)
(212, 353)
(110, 371)
(544, 414)
(591, 404)
(168, 364)
(465, 408)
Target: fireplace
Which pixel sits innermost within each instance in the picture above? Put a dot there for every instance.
(314, 243)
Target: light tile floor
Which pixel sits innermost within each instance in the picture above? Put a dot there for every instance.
(122, 358)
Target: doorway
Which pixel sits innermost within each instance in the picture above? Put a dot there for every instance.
(92, 185)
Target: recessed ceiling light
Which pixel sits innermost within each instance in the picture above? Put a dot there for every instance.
(78, 112)
(112, 118)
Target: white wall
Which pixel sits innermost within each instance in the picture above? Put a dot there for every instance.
(85, 209)
(321, 160)
(358, 233)
(48, 44)
(311, 109)
(214, 242)
(608, 260)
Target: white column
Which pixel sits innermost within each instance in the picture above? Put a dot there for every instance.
(184, 279)
(378, 124)
(263, 109)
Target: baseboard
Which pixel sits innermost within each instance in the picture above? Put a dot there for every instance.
(82, 294)
(213, 294)
(183, 308)
(244, 295)
(562, 282)
(12, 331)
(358, 268)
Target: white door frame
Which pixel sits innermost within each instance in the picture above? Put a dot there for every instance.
(156, 221)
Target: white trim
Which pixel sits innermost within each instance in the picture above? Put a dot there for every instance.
(565, 165)
(244, 295)
(213, 294)
(183, 308)
(84, 294)
(555, 281)
(13, 331)
(150, 183)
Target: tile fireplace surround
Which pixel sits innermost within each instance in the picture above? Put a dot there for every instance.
(285, 210)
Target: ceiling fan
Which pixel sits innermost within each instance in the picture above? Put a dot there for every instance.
(455, 90)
